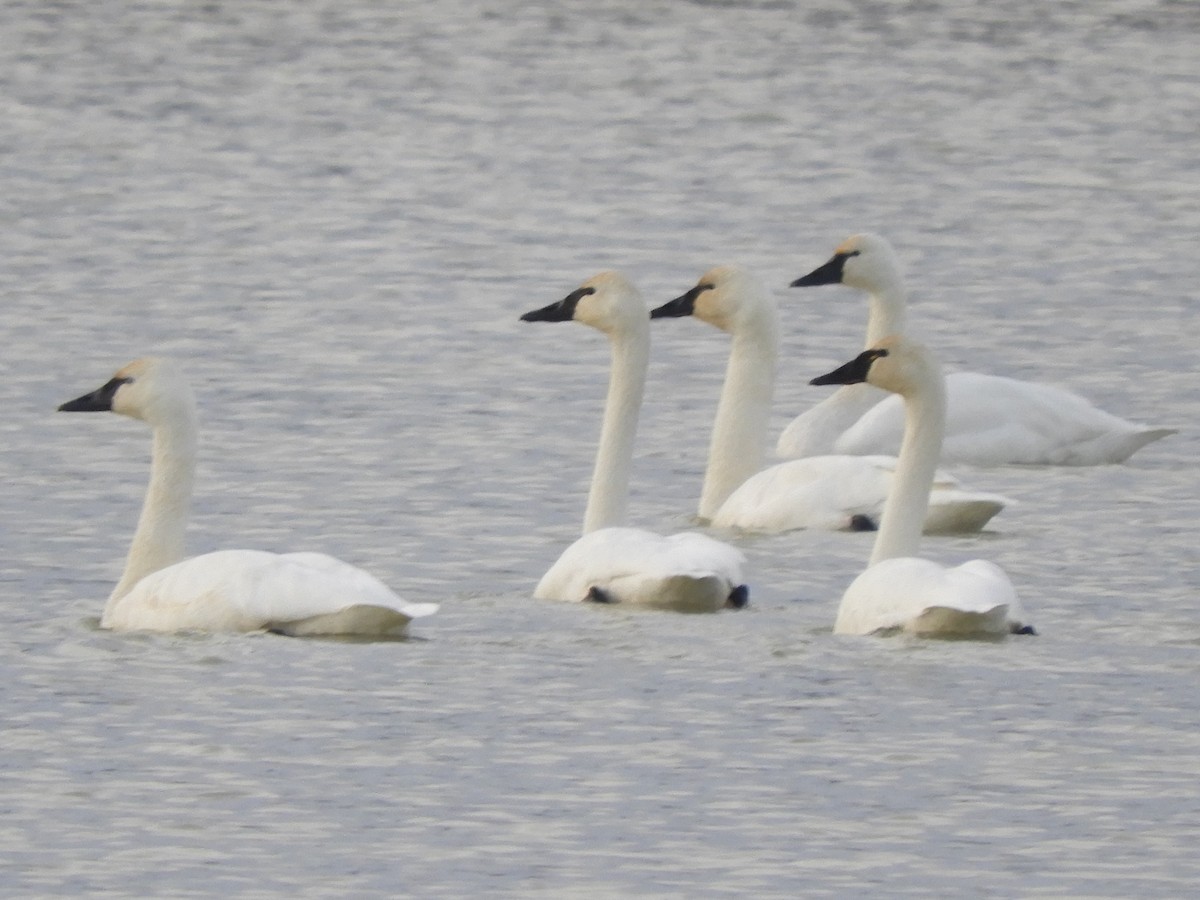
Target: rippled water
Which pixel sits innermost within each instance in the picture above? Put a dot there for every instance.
(334, 213)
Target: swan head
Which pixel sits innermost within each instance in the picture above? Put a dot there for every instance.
(896, 363)
(152, 389)
(864, 261)
(608, 302)
(728, 297)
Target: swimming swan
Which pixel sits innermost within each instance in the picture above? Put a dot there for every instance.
(230, 590)
(687, 572)
(900, 590)
(991, 420)
(833, 492)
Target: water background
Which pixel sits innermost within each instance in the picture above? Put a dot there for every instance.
(334, 212)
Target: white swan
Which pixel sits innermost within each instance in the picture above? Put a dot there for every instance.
(991, 420)
(611, 563)
(230, 590)
(833, 492)
(900, 590)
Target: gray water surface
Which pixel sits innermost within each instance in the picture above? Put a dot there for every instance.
(334, 214)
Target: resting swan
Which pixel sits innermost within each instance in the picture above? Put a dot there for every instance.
(900, 591)
(687, 572)
(991, 420)
(230, 590)
(833, 492)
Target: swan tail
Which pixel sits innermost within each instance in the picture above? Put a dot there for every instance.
(961, 514)
(1111, 447)
(949, 622)
(1149, 436)
(354, 621)
(678, 593)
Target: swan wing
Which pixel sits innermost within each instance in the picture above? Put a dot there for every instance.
(249, 590)
(924, 597)
(630, 565)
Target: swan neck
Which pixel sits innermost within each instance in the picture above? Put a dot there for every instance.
(739, 437)
(887, 306)
(609, 495)
(908, 501)
(159, 539)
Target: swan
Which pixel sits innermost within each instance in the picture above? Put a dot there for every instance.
(612, 563)
(991, 420)
(229, 590)
(830, 491)
(899, 590)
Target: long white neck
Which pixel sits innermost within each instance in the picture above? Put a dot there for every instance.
(609, 495)
(904, 512)
(739, 437)
(887, 309)
(159, 539)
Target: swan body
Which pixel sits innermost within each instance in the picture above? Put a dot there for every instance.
(922, 597)
(991, 420)
(899, 590)
(611, 562)
(827, 492)
(229, 590)
(840, 492)
(688, 572)
(994, 421)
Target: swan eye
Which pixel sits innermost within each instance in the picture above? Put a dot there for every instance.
(852, 253)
